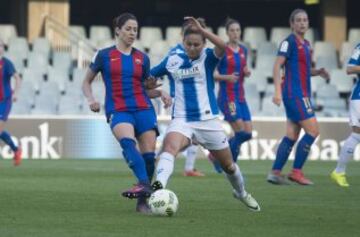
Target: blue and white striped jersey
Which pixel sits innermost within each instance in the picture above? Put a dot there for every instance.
(355, 61)
(194, 98)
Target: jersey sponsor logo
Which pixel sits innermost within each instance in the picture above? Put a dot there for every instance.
(187, 72)
(356, 54)
(114, 59)
(284, 46)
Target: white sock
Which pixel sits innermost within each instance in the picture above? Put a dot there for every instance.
(164, 168)
(191, 153)
(237, 181)
(347, 151)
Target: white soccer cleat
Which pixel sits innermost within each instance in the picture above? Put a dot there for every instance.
(248, 200)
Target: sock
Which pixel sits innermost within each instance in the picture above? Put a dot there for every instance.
(149, 158)
(236, 141)
(5, 136)
(237, 181)
(283, 153)
(134, 159)
(347, 151)
(302, 150)
(191, 152)
(164, 168)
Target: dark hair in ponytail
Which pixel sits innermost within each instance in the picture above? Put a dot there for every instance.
(229, 21)
(120, 20)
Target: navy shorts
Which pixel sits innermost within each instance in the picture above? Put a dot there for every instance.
(142, 120)
(298, 109)
(5, 107)
(234, 110)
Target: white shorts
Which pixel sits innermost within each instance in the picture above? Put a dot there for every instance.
(208, 133)
(354, 113)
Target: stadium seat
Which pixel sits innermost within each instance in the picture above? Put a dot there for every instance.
(16, 60)
(69, 106)
(173, 35)
(38, 61)
(254, 105)
(221, 31)
(268, 108)
(266, 48)
(60, 76)
(342, 81)
(33, 76)
(99, 33)
(158, 51)
(354, 35)
(98, 89)
(8, 32)
(254, 36)
(42, 46)
(26, 95)
(310, 35)
(326, 92)
(251, 90)
(316, 83)
(278, 34)
(137, 44)
(78, 30)
(149, 35)
(324, 49)
(62, 61)
(259, 78)
(329, 63)
(345, 52)
(106, 43)
(20, 107)
(334, 107)
(265, 63)
(19, 47)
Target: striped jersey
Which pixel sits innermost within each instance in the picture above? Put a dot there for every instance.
(355, 61)
(7, 70)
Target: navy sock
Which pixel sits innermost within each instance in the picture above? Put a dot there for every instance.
(149, 158)
(5, 136)
(134, 159)
(236, 141)
(283, 153)
(302, 150)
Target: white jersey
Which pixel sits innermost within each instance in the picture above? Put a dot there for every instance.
(194, 98)
(355, 61)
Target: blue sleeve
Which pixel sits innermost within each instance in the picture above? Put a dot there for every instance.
(10, 69)
(284, 49)
(211, 60)
(160, 69)
(146, 67)
(355, 57)
(96, 62)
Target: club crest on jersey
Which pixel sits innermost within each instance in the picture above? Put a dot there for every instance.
(137, 61)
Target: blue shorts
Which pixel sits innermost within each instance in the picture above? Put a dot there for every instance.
(234, 110)
(142, 120)
(5, 107)
(298, 109)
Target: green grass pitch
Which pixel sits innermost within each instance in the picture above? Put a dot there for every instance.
(81, 198)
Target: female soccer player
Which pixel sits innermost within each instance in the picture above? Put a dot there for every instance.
(347, 151)
(7, 96)
(195, 111)
(295, 56)
(232, 70)
(128, 108)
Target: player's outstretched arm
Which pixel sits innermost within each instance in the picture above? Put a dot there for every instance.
(280, 60)
(86, 88)
(352, 69)
(228, 77)
(320, 72)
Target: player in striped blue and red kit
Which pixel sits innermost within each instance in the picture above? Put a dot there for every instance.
(7, 96)
(294, 91)
(128, 108)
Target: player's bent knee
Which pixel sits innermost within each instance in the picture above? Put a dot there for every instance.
(229, 168)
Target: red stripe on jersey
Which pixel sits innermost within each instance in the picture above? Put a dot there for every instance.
(230, 70)
(302, 62)
(116, 80)
(2, 70)
(138, 62)
(242, 74)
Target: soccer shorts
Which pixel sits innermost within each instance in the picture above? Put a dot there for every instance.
(5, 107)
(354, 113)
(234, 110)
(298, 109)
(208, 133)
(142, 120)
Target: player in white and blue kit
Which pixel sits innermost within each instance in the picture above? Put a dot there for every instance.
(195, 112)
(347, 150)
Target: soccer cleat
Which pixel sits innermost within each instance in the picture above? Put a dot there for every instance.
(193, 173)
(297, 176)
(157, 185)
(215, 163)
(340, 179)
(142, 206)
(139, 190)
(248, 200)
(17, 157)
(277, 178)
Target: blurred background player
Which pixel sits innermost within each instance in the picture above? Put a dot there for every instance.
(128, 108)
(347, 150)
(7, 96)
(294, 91)
(232, 71)
(195, 114)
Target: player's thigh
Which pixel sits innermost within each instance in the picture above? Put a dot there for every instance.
(311, 126)
(240, 125)
(299, 109)
(5, 107)
(292, 130)
(175, 142)
(145, 121)
(147, 141)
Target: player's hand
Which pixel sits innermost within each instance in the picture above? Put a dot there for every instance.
(247, 72)
(277, 99)
(193, 22)
(166, 99)
(94, 106)
(324, 74)
(233, 78)
(151, 83)
(14, 97)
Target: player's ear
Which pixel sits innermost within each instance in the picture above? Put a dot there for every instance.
(117, 31)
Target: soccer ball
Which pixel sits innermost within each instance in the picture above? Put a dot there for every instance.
(163, 202)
